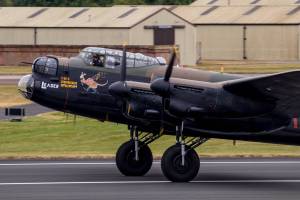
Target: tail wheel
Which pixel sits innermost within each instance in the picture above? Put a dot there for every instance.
(172, 168)
(126, 162)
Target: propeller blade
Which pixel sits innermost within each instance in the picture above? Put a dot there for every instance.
(162, 86)
(119, 88)
(123, 64)
(170, 66)
(26, 63)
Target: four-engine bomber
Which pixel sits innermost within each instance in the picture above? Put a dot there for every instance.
(155, 98)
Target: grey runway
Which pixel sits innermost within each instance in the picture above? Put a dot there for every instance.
(9, 79)
(217, 179)
(30, 110)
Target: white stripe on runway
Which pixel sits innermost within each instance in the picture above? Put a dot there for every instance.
(251, 162)
(56, 163)
(148, 182)
(155, 162)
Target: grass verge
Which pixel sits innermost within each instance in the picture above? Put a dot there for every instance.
(52, 136)
(15, 70)
(9, 96)
(248, 68)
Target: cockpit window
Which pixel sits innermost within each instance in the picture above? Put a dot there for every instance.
(46, 65)
(98, 60)
(112, 61)
(51, 66)
(39, 65)
(110, 58)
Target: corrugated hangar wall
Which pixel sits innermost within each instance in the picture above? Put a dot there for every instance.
(244, 35)
(206, 42)
(81, 36)
(184, 34)
(142, 33)
(15, 54)
(272, 42)
(22, 36)
(63, 36)
(220, 42)
(252, 42)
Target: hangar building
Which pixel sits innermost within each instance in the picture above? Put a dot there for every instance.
(244, 32)
(148, 25)
(206, 30)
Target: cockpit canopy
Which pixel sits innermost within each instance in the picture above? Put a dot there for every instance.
(110, 58)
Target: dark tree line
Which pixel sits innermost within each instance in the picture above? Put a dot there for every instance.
(76, 3)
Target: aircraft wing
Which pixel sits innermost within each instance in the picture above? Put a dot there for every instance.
(283, 88)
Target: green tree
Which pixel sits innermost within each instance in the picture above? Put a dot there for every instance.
(151, 2)
(129, 2)
(104, 2)
(174, 2)
(6, 3)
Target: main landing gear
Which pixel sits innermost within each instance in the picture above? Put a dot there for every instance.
(179, 163)
(134, 158)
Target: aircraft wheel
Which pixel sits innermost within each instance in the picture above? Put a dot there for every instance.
(126, 163)
(172, 168)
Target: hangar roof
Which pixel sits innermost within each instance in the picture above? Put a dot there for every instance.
(244, 2)
(254, 14)
(129, 16)
(115, 17)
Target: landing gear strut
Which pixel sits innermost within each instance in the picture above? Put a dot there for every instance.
(180, 162)
(134, 157)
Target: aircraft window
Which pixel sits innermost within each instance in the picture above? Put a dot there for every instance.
(98, 60)
(102, 52)
(109, 52)
(130, 62)
(112, 61)
(87, 57)
(51, 66)
(93, 59)
(131, 56)
(39, 65)
(111, 58)
(46, 65)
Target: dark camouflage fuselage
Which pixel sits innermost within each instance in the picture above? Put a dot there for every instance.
(82, 89)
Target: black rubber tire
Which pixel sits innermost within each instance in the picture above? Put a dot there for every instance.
(172, 168)
(126, 163)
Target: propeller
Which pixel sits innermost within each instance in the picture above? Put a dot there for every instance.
(161, 86)
(120, 88)
(131, 96)
(177, 107)
(26, 63)
(170, 66)
(124, 64)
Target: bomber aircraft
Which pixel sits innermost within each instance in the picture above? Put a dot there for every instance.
(156, 98)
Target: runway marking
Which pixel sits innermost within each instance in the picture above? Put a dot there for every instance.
(147, 182)
(56, 163)
(251, 162)
(155, 162)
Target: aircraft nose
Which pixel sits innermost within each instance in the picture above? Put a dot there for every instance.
(25, 86)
